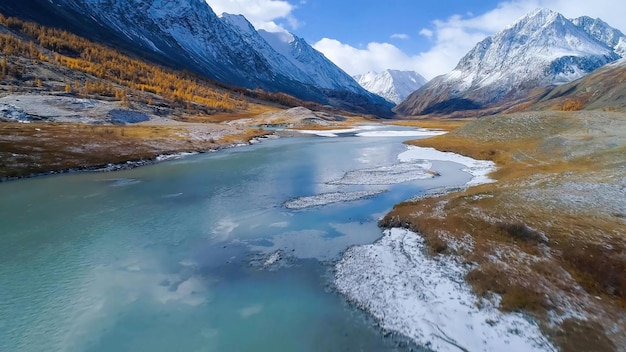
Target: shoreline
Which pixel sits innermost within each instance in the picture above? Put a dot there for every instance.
(136, 163)
(131, 163)
(407, 291)
(426, 299)
(547, 238)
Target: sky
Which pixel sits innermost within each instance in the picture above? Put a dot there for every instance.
(429, 37)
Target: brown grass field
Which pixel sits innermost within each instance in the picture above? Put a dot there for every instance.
(549, 236)
(35, 148)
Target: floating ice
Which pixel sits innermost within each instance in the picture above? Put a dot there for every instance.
(427, 299)
(412, 133)
(337, 132)
(479, 169)
(388, 175)
(328, 198)
(329, 133)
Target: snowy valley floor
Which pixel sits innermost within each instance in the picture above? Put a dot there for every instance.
(547, 240)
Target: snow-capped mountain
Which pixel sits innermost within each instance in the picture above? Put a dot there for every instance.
(292, 56)
(541, 49)
(608, 85)
(604, 33)
(310, 61)
(187, 34)
(393, 85)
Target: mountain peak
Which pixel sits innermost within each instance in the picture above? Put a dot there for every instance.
(539, 19)
(542, 14)
(540, 49)
(393, 85)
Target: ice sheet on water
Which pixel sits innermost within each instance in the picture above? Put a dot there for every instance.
(337, 132)
(411, 133)
(328, 198)
(329, 133)
(388, 175)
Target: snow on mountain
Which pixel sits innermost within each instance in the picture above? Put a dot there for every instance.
(188, 34)
(311, 62)
(393, 85)
(279, 63)
(604, 33)
(292, 56)
(541, 49)
(185, 28)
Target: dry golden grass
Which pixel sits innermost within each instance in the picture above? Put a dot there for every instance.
(251, 111)
(350, 122)
(539, 254)
(243, 136)
(443, 124)
(30, 149)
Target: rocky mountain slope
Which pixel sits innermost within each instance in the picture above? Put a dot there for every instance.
(541, 49)
(393, 85)
(187, 34)
(603, 89)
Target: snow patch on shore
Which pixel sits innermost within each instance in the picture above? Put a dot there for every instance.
(427, 299)
(165, 157)
(328, 198)
(10, 112)
(479, 169)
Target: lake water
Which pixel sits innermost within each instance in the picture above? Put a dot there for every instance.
(200, 253)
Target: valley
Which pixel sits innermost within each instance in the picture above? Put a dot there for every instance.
(229, 173)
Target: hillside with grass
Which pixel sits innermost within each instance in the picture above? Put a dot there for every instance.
(549, 236)
(69, 103)
(603, 89)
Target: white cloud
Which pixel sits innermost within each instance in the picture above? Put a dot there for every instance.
(400, 36)
(427, 33)
(261, 13)
(455, 36)
(376, 57)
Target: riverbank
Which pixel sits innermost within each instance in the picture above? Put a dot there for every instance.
(46, 134)
(36, 149)
(547, 239)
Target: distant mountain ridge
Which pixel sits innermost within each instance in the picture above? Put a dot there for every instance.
(393, 85)
(187, 34)
(541, 49)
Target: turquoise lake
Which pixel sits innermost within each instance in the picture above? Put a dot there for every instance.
(199, 253)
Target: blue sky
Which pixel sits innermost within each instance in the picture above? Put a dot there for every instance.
(425, 36)
(399, 22)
